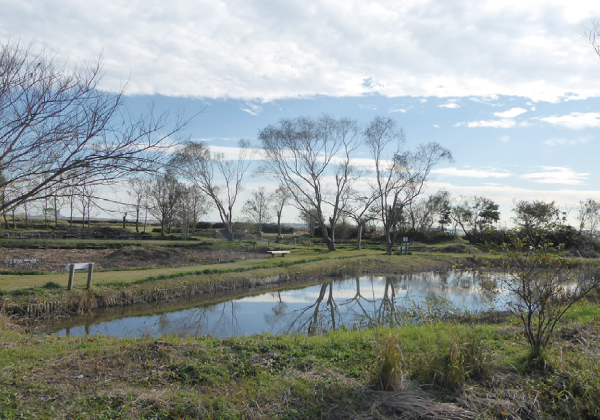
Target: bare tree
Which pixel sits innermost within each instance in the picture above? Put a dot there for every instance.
(137, 194)
(58, 127)
(164, 195)
(85, 195)
(400, 175)
(360, 208)
(593, 36)
(588, 215)
(213, 174)
(257, 208)
(541, 289)
(281, 198)
(190, 207)
(311, 157)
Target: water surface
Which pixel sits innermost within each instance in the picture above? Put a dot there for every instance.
(356, 302)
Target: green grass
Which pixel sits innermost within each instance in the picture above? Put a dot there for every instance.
(482, 367)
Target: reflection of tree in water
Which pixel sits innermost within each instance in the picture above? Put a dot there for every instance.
(319, 317)
(278, 312)
(404, 299)
(327, 314)
(217, 320)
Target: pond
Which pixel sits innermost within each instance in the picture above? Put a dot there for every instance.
(357, 302)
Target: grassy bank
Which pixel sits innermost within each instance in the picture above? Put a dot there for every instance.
(45, 295)
(438, 370)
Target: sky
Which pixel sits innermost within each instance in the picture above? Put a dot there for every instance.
(511, 88)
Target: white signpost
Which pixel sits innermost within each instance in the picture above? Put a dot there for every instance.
(80, 266)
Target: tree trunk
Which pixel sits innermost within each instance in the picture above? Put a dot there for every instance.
(229, 230)
(145, 219)
(389, 239)
(278, 223)
(328, 241)
(359, 235)
(55, 212)
(332, 224)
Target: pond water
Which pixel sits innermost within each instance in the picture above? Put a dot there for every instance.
(356, 302)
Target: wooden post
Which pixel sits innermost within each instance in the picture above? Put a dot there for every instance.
(71, 272)
(90, 272)
(79, 266)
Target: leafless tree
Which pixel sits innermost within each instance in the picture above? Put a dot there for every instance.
(85, 201)
(281, 198)
(191, 206)
(588, 215)
(360, 207)
(593, 35)
(257, 208)
(217, 177)
(137, 194)
(311, 157)
(57, 127)
(400, 175)
(163, 196)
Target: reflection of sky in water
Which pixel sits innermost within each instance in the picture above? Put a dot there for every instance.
(355, 301)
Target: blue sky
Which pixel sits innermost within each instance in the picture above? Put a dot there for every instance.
(512, 88)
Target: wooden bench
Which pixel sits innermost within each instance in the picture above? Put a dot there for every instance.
(282, 253)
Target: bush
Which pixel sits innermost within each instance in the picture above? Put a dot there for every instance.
(541, 287)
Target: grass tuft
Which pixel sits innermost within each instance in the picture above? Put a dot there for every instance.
(389, 371)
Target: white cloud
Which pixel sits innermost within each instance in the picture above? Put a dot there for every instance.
(504, 139)
(449, 105)
(575, 120)
(252, 49)
(504, 123)
(400, 110)
(565, 142)
(557, 175)
(251, 108)
(511, 113)
(471, 173)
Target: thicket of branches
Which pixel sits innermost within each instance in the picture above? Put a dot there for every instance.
(59, 130)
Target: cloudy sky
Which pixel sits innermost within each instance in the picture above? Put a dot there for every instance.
(511, 87)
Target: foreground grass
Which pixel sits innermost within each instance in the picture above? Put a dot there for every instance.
(448, 370)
